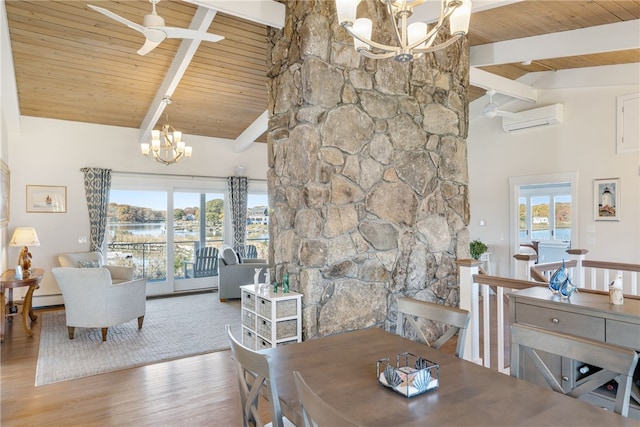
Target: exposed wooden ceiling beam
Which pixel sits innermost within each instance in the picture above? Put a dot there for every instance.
(252, 132)
(601, 38)
(512, 88)
(267, 12)
(201, 22)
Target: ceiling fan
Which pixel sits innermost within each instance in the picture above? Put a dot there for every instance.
(154, 30)
(491, 109)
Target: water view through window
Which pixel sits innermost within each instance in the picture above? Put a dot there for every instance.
(142, 235)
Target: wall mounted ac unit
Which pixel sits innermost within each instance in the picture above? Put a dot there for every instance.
(543, 116)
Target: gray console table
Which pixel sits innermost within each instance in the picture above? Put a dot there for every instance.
(587, 315)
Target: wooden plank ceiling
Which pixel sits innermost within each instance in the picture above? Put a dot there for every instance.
(73, 63)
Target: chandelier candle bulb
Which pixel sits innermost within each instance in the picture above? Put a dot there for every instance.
(346, 11)
(459, 20)
(415, 32)
(362, 27)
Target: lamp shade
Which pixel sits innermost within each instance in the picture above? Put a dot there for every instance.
(24, 236)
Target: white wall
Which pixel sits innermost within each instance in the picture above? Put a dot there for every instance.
(52, 152)
(585, 143)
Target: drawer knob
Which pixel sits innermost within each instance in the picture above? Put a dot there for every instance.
(554, 320)
(564, 378)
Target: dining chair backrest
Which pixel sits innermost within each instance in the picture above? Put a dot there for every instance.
(254, 373)
(456, 318)
(315, 411)
(617, 363)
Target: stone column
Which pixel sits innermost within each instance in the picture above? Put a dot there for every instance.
(367, 177)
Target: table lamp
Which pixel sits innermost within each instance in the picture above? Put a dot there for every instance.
(23, 236)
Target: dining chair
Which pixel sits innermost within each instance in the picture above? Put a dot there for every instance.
(456, 318)
(616, 363)
(315, 411)
(255, 373)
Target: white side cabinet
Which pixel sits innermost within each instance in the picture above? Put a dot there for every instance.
(270, 319)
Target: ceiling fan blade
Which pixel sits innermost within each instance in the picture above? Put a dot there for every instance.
(505, 113)
(153, 38)
(118, 18)
(186, 33)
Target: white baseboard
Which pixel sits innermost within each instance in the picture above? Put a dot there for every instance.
(46, 300)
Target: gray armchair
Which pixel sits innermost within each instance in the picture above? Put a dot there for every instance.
(235, 272)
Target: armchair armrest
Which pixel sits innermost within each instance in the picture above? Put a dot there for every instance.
(120, 273)
(253, 261)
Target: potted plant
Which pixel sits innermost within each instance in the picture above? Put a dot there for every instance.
(477, 248)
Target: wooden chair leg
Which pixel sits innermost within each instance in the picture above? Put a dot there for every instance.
(71, 330)
(104, 334)
(140, 320)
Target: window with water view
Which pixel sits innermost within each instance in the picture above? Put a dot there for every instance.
(141, 234)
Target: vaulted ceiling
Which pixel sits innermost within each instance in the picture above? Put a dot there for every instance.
(72, 63)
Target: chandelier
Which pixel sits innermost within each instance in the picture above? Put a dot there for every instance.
(167, 146)
(412, 40)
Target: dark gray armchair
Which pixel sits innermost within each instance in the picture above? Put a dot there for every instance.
(235, 272)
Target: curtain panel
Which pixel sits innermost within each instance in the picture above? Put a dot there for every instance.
(238, 193)
(97, 186)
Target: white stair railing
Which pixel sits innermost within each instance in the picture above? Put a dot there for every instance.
(475, 287)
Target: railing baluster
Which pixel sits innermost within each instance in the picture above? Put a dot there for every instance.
(486, 327)
(500, 332)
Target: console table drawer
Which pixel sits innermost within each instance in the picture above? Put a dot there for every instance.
(623, 334)
(561, 321)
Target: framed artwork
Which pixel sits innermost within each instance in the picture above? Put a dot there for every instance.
(5, 177)
(46, 198)
(606, 199)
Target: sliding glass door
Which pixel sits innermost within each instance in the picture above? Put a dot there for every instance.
(198, 223)
(136, 232)
(163, 229)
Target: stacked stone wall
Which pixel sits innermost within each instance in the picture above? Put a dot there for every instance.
(368, 183)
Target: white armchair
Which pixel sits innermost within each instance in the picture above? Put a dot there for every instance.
(92, 300)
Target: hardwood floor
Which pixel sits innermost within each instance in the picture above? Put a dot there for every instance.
(194, 391)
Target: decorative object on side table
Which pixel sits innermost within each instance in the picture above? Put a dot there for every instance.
(24, 236)
(477, 248)
(561, 284)
(412, 375)
(256, 276)
(616, 294)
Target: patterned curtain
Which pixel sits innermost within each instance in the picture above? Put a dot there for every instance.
(237, 186)
(97, 184)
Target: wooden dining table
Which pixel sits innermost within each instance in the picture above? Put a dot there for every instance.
(341, 369)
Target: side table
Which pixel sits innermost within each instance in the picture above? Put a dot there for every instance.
(8, 282)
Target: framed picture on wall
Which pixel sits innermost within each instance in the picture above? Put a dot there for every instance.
(606, 199)
(5, 176)
(46, 198)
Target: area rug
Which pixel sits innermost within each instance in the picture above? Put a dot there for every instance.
(174, 327)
